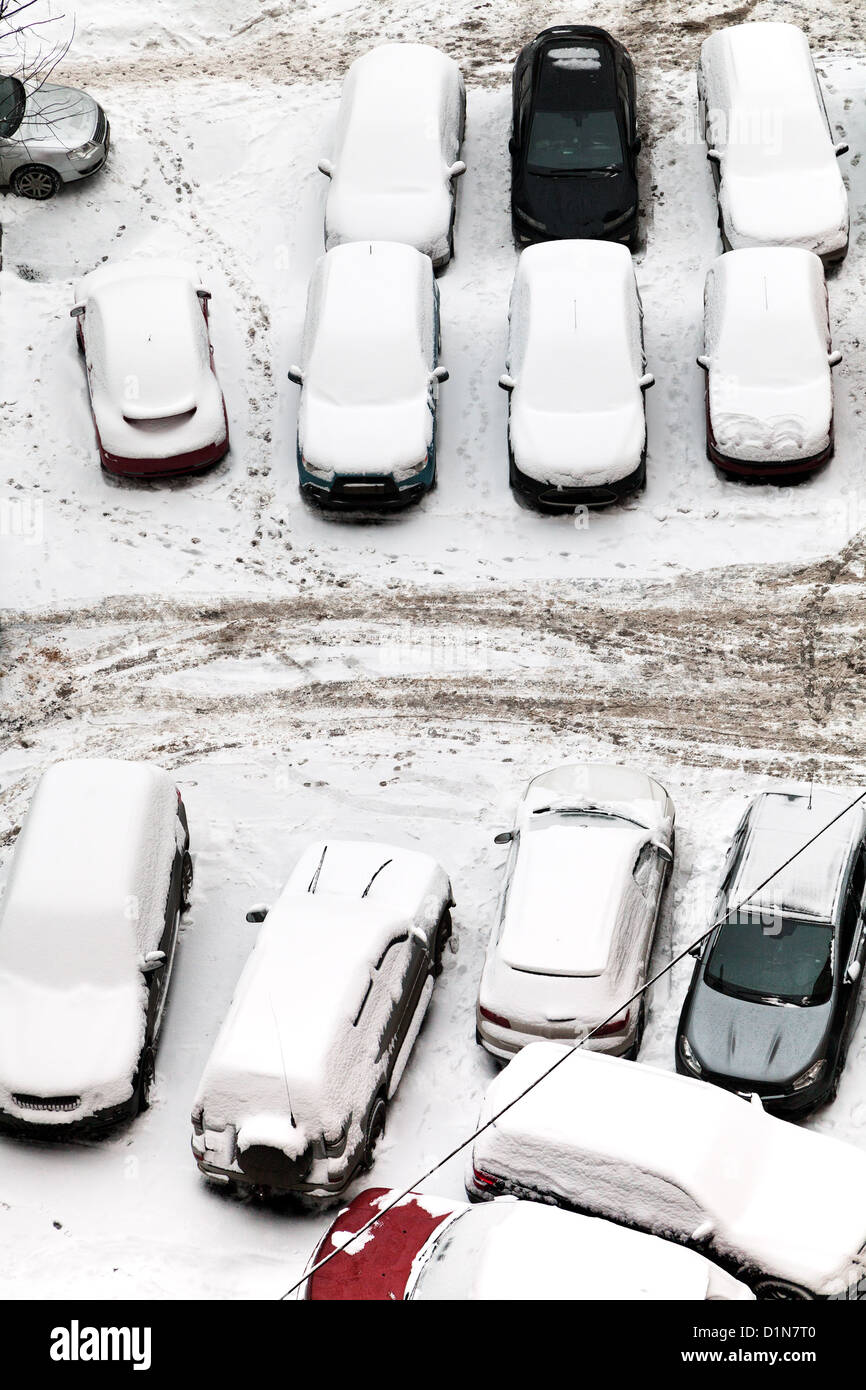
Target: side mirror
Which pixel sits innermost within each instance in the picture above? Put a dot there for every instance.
(714, 155)
(326, 168)
(154, 960)
(512, 145)
(507, 382)
(204, 294)
(664, 851)
(259, 912)
(834, 358)
(703, 361)
(504, 837)
(840, 149)
(457, 169)
(852, 974)
(695, 951)
(439, 374)
(77, 312)
(646, 381)
(296, 375)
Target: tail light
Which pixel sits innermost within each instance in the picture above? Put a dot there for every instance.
(614, 1026)
(179, 797)
(484, 1180)
(493, 1018)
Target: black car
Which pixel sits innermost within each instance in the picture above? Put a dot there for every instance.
(574, 141)
(774, 995)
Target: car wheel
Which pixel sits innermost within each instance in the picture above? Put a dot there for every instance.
(36, 181)
(375, 1130)
(146, 1069)
(185, 882)
(443, 936)
(780, 1290)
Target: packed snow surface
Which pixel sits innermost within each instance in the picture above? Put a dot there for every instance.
(398, 137)
(767, 340)
(369, 348)
(667, 1154)
(153, 391)
(85, 901)
(575, 354)
(780, 180)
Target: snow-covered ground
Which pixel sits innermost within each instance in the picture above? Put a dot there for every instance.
(305, 676)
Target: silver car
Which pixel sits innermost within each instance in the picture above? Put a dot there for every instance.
(49, 135)
(591, 851)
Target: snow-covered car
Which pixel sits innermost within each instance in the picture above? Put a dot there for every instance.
(100, 875)
(323, 1019)
(576, 376)
(782, 1208)
(429, 1248)
(399, 131)
(591, 851)
(769, 140)
(369, 378)
(768, 359)
(157, 405)
(49, 135)
(776, 993)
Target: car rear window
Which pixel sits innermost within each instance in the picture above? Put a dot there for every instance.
(13, 100)
(773, 960)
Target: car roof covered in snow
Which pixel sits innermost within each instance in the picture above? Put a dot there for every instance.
(367, 354)
(87, 889)
(779, 824)
(527, 1250)
(780, 179)
(670, 1153)
(288, 1040)
(146, 335)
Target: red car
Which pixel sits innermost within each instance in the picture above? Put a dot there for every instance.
(157, 405)
(433, 1248)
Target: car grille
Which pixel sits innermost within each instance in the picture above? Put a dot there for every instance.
(46, 1102)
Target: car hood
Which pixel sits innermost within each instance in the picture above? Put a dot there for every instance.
(574, 448)
(788, 209)
(58, 118)
(574, 205)
(359, 439)
(768, 1044)
(79, 1041)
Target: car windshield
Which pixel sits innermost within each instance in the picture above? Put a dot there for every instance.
(571, 142)
(13, 100)
(775, 960)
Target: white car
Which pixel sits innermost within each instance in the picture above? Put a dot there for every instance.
(100, 875)
(783, 1208)
(576, 374)
(369, 378)
(768, 355)
(399, 132)
(774, 158)
(323, 1019)
(591, 851)
(427, 1248)
(157, 405)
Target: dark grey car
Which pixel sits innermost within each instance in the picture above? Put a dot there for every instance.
(774, 995)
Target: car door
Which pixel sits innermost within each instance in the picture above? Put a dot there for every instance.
(853, 947)
(403, 971)
(158, 980)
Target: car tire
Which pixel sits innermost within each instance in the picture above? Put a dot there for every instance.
(443, 936)
(35, 181)
(781, 1290)
(186, 875)
(375, 1130)
(146, 1071)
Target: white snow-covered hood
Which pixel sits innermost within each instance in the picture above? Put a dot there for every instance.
(807, 208)
(390, 439)
(574, 449)
(58, 118)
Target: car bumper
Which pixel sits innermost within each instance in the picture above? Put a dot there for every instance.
(78, 1127)
(172, 467)
(505, 1043)
(527, 236)
(548, 498)
(71, 173)
(358, 492)
(784, 1104)
(760, 470)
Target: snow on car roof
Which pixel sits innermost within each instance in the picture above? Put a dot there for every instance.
(107, 829)
(368, 352)
(666, 1152)
(146, 335)
(767, 337)
(397, 102)
(574, 340)
(527, 1250)
(569, 893)
(779, 825)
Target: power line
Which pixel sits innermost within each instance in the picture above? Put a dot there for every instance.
(698, 942)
